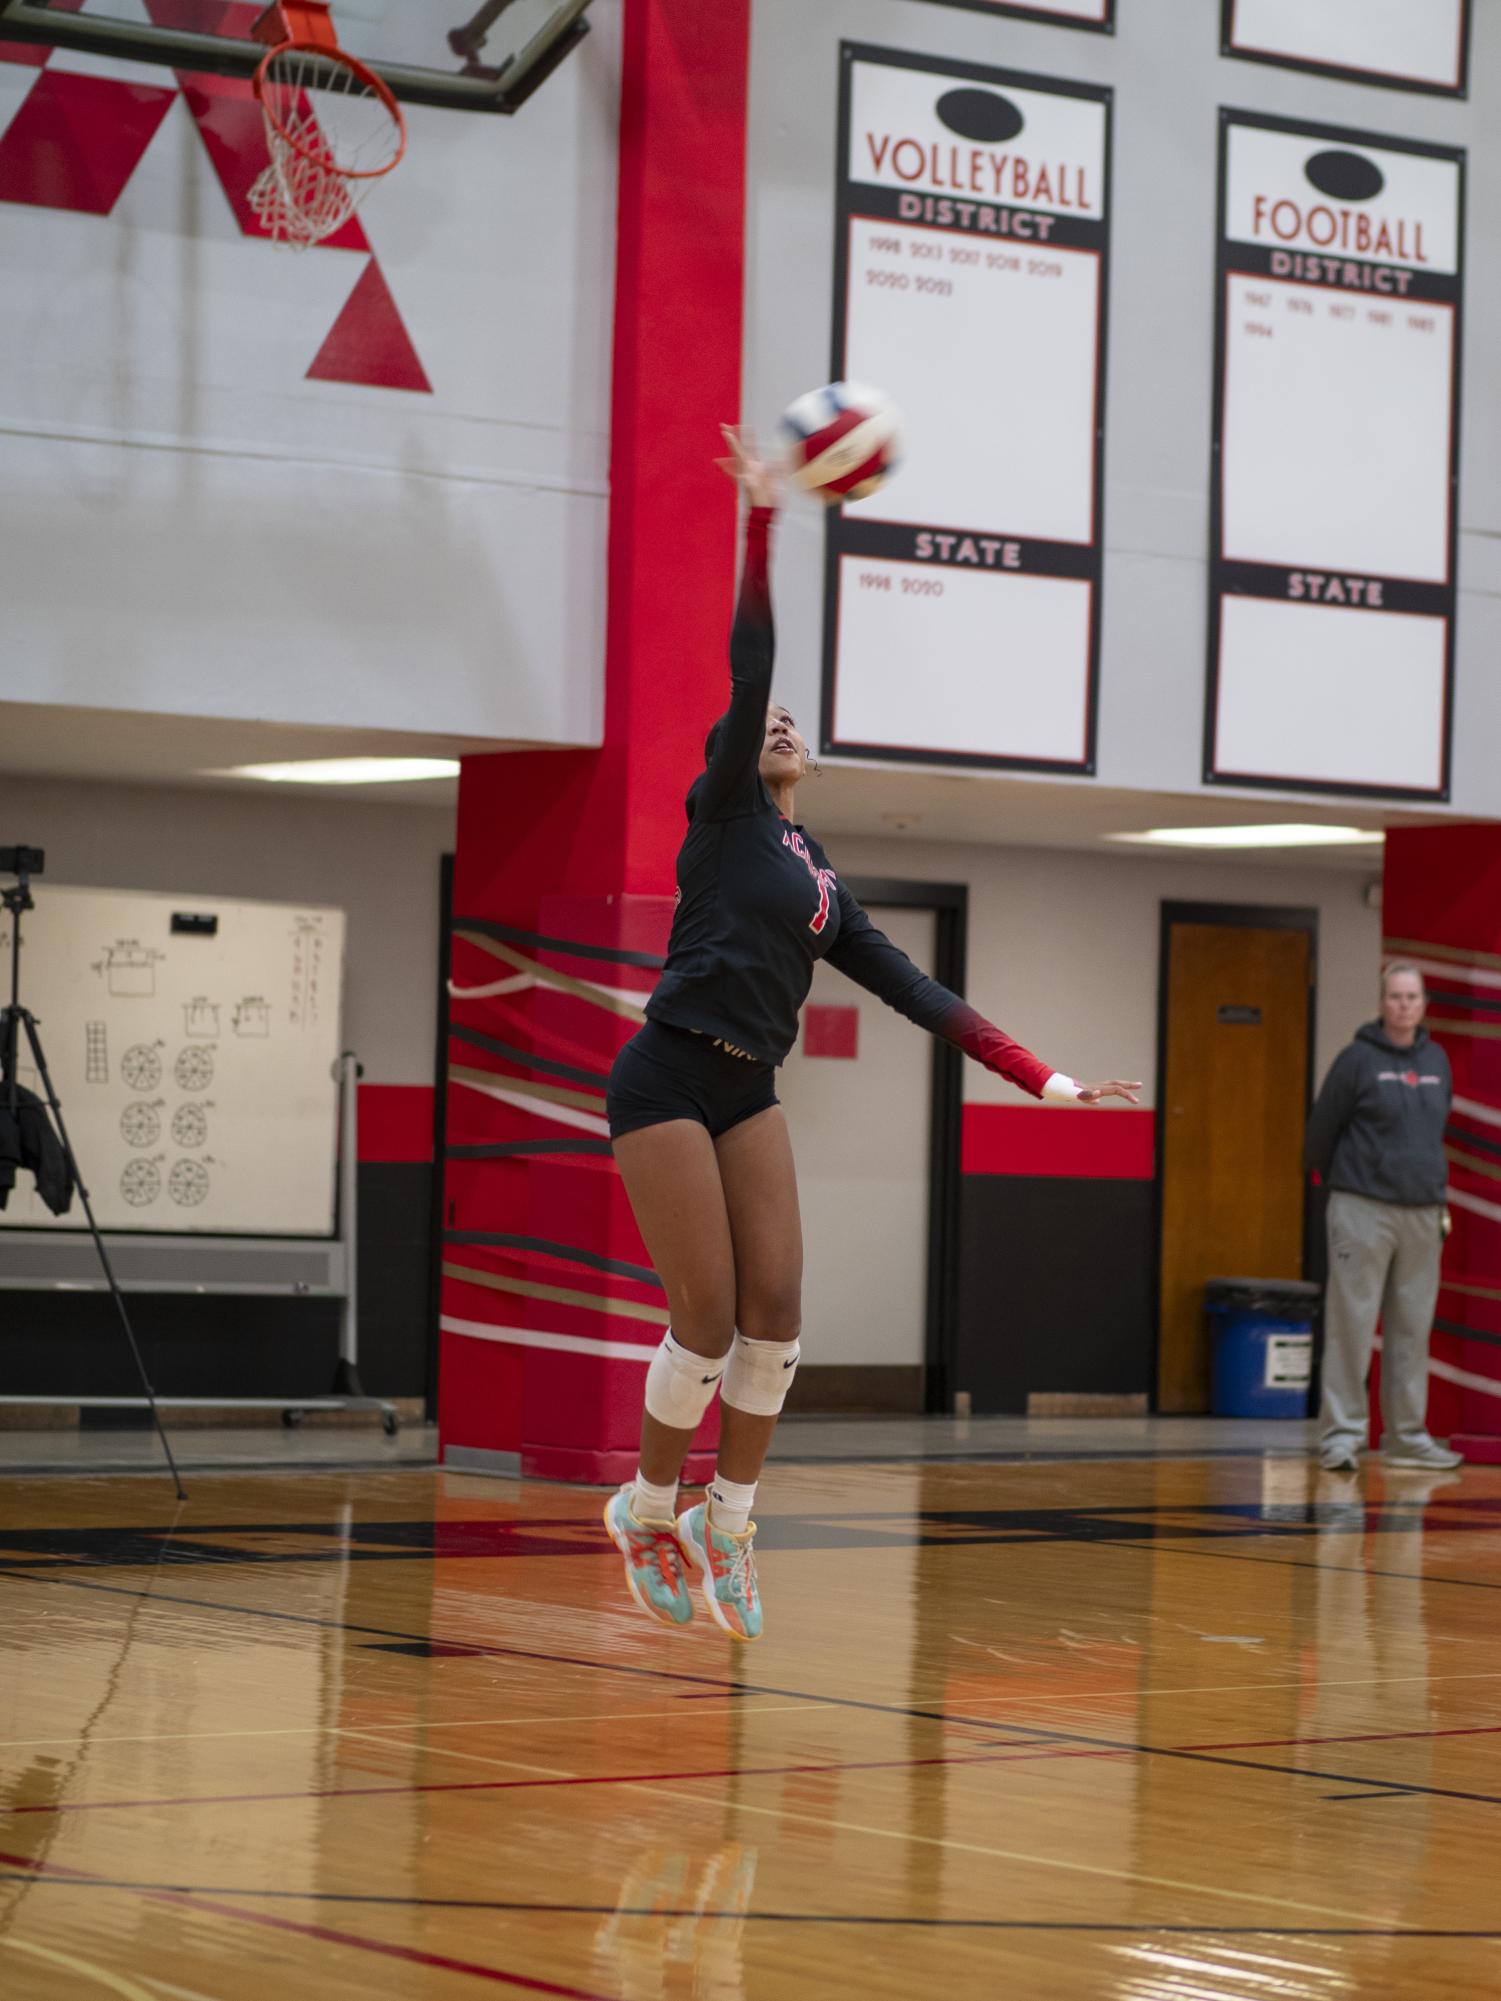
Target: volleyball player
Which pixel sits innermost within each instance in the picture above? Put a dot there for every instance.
(699, 1137)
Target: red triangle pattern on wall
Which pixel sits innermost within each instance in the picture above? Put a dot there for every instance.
(77, 139)
(369, 342)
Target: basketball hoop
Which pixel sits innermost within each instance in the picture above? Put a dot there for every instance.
(324, 154)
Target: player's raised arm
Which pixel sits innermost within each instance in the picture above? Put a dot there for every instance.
(729, 783)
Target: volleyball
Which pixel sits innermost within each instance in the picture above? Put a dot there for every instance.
(842, 441)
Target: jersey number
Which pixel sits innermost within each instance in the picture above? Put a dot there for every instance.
(822, 876)
(820, 916)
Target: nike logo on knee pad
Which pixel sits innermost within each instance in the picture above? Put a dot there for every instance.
(715, 1378)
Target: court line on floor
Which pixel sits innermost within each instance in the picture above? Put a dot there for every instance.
(1373, 1737)
(158, 1600)
(784, 1813)
(434, 1723)
(1165, 1547)
(412, 1955)
(883, 1920)
(98, 1976)
(1001, 1754)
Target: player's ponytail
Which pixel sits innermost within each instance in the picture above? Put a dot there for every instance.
(711, 741)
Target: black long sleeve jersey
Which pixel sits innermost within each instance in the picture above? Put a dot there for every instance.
(759, 904)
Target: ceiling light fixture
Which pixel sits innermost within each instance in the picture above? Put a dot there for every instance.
(345, 770)
(1274, 834)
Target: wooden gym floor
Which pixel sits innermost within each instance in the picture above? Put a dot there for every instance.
(1217, 1730)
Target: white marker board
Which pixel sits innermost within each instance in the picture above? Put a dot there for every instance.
(196, 1073)
(1336, 438)
(962, 600)
(1405, 44)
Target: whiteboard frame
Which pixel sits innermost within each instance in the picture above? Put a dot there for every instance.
(1016, 10)
(1229, 578)
(1352, 72)
(894, 540)
(74, 1225)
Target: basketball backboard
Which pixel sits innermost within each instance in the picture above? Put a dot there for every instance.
(466, 55)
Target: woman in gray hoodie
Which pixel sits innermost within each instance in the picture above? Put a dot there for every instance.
(1376, 1139)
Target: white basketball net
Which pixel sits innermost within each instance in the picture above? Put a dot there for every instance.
(324, 152)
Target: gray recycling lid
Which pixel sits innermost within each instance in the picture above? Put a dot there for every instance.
(1261, 1293)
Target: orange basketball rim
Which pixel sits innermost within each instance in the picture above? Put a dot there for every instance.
(332, 125)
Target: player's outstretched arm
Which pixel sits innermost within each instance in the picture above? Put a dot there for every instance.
(867, 956)
(729, 784)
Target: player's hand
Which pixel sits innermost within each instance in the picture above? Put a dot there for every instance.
(759, 481)
(1093, 1094)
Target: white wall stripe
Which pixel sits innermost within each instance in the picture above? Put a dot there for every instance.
(1459, 1198)
(1465, 1378)
(543, 1108)
(516, 984)
(1487, 1115)
(1472, 976)
(566, 1344)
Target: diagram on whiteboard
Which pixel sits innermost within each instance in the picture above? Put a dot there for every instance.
(141, 1067)
(190, 1126)
(129, 969)
(141, 1124)
(141, 1183)
(188, 1184)
(96, 1053)
(194, 1068)
(201, 1018)
(198, 1069)
(253, 1016)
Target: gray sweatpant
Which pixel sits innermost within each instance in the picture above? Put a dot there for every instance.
(1383, 1264)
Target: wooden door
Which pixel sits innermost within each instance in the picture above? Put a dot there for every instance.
(1234, 1101)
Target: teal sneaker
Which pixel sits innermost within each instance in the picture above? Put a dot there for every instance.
(727, 1564)
(653, 1561)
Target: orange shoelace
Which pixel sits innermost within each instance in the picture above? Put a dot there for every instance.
(661, 1550)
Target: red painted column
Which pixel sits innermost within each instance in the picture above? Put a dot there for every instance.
(564, 867)
(1442, 909)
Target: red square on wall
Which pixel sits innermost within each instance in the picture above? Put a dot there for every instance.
(831, 1031)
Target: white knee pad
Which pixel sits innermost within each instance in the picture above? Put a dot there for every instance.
(759, 1374)
(680, 1385)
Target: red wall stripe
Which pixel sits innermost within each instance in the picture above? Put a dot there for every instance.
(396, 1122)
(1084, 1145)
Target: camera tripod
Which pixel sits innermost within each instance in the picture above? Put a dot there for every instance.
(14, 1020)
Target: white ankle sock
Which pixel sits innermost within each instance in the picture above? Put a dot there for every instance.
(653, 1504)
(730, 1503)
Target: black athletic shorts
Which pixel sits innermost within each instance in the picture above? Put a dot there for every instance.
(670, 1073)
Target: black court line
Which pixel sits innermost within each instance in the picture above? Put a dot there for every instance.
(1163, 1548)
(1033, 1730)
(884, 1920)
(1065, 1456)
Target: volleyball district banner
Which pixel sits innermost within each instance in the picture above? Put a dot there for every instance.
(1096, 14)
(962, 600)
(1404, 44)
(1336, 451)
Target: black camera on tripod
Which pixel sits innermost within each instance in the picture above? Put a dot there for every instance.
(23, 861)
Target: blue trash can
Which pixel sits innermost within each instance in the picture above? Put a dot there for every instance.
(1261, 1345)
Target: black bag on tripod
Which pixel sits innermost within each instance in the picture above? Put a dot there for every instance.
(27, 1140)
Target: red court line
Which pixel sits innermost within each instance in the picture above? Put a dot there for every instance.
(411, 1954)
(1375, 1737)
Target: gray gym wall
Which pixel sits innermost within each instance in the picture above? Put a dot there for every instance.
(1169, 79)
